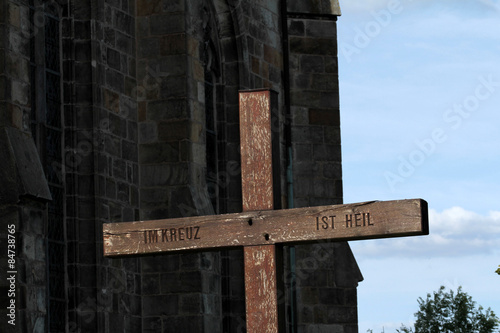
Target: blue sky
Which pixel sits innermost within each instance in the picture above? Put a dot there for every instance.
(420, 108)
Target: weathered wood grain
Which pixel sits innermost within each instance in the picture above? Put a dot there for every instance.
(261, 291)
(256, 150)
(258, 193)
(378, 219)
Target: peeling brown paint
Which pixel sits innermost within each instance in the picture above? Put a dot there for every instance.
(257, 188)
(380, 219)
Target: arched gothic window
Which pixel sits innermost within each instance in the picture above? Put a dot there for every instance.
(47, 131)
(211, 64)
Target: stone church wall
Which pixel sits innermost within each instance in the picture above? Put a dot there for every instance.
(132, 114)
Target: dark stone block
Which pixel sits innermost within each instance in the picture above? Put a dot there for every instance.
(3, 91)
(82, 10)
(123, 195)
(154, 198)
(115, 80)
(117, 125)
(167, 109)
(148, 7)
(173, 44)
(164, 174)
(184, 282)
(17, 41)
(81, 29)
(110, 188)
(16, 67)
(301, 81)
(142, 26)
(305, 314)
(130, 304)
(159, 152)
(350, 328)
(229, 51)
(115, 212)
(350, 296)
(152, 324)
(130, 91)
(174, 130)
(296, 28)
(332, 170)
(329, 100)
(331, 296)
(148, 132)
(87, 276)
(305, 98)
(189, 281)
(124, 22)
(164, 24)
(320, 315)
(161, 263)
(148, 46)
(311, 64)
(275, 74)
(332, 135)
(181, 204)
(132, 131)
(184, 324)
(109, 36)
(119, 169)
(87, 253)
(305, 167)
(83, 51)
(324, 117)
(323, 28)
(128, 213)
(303, 186)
(327, 153)
(124, 43)
(173, 86)
(191, 304)
(306, 134)
(166, 305)
(190, 261)
(303, 152)
(309, 296)
(318, 46)
(113, 59)
(114, 3)
(325, 7)
(83, 72)
(331, 65)
(325, 82)
(150, 284)
(129, 151)
(340, 315)
(85, 185)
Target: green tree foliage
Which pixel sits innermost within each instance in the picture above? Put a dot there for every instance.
(498, 270)
(450, 312)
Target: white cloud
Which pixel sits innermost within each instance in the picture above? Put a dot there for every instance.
(454, 232)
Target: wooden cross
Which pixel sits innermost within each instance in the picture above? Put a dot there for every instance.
(260, 229)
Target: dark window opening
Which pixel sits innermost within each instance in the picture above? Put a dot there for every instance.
(211, 141)
(47, 131)
(212, 73)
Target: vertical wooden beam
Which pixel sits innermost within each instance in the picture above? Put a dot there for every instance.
(262, 263)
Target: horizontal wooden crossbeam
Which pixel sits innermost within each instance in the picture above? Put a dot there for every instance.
(368, 220)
